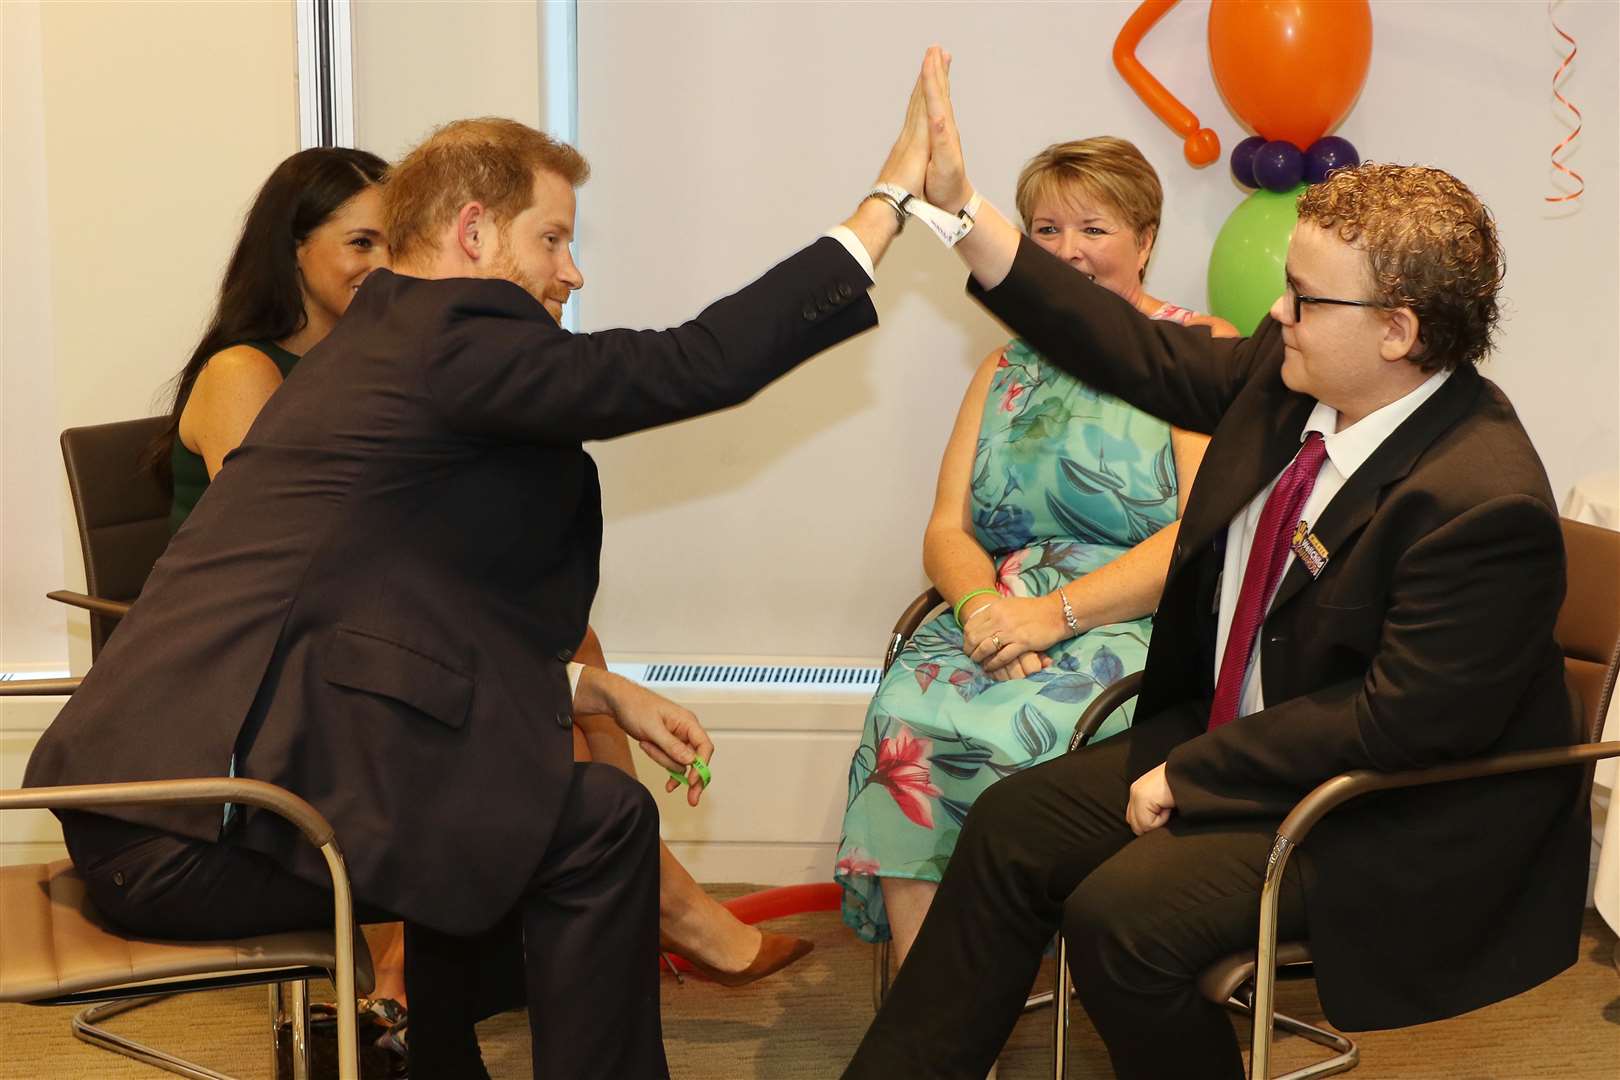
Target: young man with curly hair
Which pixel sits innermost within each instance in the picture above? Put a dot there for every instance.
(1367, 577)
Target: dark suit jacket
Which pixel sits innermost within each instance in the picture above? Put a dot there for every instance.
(1428, 637)
(374, 602)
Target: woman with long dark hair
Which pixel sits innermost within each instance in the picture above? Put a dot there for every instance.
(310, 238)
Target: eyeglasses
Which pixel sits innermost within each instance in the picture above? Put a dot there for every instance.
(1301, 300)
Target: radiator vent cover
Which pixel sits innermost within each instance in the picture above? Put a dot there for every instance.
(846, 677)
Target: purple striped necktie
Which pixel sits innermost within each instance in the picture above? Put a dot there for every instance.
(1267, 558)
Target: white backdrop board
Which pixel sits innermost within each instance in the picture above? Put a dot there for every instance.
(722, 136)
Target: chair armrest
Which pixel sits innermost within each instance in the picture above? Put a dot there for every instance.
(38, 687)
(1112, 697)
(1340, 789)
(112, 609)
(221, 790)
(917, 612)
(204, 790)
(915, 615)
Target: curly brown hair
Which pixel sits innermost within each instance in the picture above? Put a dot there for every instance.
(489, 160)
(1431, 246)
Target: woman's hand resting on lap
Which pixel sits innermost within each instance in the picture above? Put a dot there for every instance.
(1008, 636)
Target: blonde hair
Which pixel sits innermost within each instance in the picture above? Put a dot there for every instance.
(488, 160)
(1104, 168)
(1431, 246)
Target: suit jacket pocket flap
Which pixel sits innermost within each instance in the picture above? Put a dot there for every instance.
(361, 661)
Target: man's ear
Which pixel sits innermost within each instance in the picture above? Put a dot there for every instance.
(1401, 340)
(473, 231)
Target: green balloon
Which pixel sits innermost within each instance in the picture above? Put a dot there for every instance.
(1246, 264)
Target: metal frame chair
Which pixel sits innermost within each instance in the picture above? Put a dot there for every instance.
(1589, 630)
(87, 964)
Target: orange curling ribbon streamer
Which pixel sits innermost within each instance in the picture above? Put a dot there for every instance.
(1562, 100)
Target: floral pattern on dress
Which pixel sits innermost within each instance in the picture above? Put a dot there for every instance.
(1065, 479)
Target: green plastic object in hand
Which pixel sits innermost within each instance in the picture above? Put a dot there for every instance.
(702, 768)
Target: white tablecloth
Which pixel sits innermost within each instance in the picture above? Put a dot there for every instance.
(1596, 500)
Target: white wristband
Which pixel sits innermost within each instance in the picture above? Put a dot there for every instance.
(949, 227)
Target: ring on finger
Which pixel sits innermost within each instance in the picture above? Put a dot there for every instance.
(995, 639)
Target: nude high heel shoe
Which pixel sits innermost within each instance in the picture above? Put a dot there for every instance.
(776, 951)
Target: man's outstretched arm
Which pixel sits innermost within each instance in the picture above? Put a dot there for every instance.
(526, 380)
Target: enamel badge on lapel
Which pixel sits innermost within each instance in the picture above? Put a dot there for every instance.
(1309, 550)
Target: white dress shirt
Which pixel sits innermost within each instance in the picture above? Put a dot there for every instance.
(1346, 451)
(852, 243)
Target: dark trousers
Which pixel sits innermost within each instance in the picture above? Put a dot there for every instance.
(1048, 849)
(580, 947)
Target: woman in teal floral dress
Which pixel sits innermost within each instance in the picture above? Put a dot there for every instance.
(1052, 528)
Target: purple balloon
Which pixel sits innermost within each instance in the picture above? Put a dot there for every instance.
(1243, 160)
(1326, 154)
(1279, 165)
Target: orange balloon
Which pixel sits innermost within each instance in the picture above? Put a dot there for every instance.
(1290, 69)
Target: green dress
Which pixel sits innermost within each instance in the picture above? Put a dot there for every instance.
(1065, 479)
(190, 471)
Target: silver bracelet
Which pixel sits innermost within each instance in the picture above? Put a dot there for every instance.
(1068, 613)
(896, 197)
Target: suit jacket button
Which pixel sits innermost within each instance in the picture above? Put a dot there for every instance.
(845, 291)
(564, 655)
(565, 719)
(118, 877)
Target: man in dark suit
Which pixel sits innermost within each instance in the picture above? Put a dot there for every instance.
(374, 606)
(1367, 576)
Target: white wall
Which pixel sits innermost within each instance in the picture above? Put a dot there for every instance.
(418, 65)
(723, 136)
(33, 633)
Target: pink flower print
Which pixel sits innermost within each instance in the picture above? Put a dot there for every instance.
(857, 864)
(902, 767)
(926, 674)
(1007, 581)
(1009, 400)
(1001, 362)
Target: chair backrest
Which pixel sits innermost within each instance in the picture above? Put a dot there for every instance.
(122, 510)
(1589, 621)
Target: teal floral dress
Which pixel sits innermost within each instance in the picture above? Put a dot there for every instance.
(1065, 479)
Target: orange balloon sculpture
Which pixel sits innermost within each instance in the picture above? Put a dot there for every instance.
(1290, 69)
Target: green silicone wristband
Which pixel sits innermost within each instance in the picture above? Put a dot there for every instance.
(702, 768)
(957, 610)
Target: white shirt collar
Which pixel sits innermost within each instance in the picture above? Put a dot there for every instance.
(1347, 449)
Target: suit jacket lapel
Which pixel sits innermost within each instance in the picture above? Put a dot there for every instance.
(1355, 502)
(1264, 440)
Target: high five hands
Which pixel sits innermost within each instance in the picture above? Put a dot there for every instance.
(945, 184)
(926, 159)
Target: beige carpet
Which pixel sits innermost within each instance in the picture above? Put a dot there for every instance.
(806, 1023)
